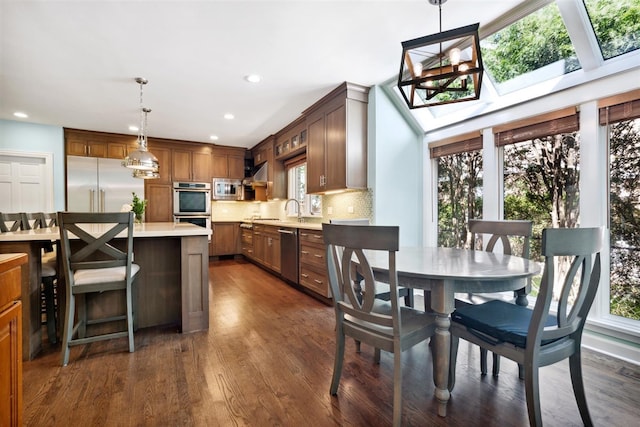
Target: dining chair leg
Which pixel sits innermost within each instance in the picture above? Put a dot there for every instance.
(397, 386)
(130, 321)
(483, 361)
(496, 365)
(520, 371)
(81, 307)
(357, 346)
(575, 368)
(49, 301)
(532, 391)
(376, 355)
(68, 327)
(409, 298)
(337, 363)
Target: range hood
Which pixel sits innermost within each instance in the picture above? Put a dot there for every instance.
(258, 177)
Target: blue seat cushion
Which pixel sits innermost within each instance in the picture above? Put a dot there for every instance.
(499, 321)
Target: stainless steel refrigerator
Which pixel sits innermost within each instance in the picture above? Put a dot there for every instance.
(100, 185)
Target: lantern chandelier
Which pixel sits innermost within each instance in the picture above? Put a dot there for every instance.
(441, 68)
(144, 164)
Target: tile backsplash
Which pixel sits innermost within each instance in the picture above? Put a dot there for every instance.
(352, 204)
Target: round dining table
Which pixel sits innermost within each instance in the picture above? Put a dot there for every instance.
(443, 272)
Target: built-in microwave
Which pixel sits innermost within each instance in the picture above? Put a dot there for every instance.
(227, 189)
(191, 198)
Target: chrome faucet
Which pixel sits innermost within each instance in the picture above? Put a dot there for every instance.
(297, 206)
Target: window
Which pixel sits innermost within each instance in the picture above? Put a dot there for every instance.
(623, 134)
(310, 205)
(459, 187)
(541, 173)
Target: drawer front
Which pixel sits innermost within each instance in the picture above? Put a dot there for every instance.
(10, 283)
(247, 238)
(313, 255)
(314, 237)
(315, 280)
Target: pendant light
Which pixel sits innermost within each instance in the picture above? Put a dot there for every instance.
(144, 164)
(441, 68)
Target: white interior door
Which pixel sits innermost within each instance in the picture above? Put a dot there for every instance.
(26, 182)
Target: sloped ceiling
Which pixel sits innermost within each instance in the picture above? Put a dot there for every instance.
(73, 64)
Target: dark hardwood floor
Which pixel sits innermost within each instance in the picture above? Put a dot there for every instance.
(267, 360)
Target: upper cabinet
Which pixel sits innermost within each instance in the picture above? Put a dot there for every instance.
(291, 140)
(276, 175)
(191, 164)
(98, 144)
(337, 140)
(227, 162)
(163, 154)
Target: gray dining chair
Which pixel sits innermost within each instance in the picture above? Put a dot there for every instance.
(543, 335)
(509, 235)
(95, 263)
(382, 324)
(49, 270)
(382, 289)
(11, 221)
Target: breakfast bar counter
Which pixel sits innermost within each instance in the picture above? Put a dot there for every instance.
(172, 286)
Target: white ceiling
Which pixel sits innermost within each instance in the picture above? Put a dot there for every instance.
(73, 63)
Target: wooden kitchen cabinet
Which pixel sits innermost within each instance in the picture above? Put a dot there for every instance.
(225, 239)
(313, 267)
(337, 140)
(266, 246)
(191, 164)
(273, 253)
(159, 192)
(163, 154)
(227, 163)
(246, 242)
(98, 144)
(11, 339)
(159, 202)
(276, 173)
(292, 140)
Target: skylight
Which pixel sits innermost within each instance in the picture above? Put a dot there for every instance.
(531, 50)
(616, 25)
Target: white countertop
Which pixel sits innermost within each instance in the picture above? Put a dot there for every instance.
(147, 229)
(287, 224)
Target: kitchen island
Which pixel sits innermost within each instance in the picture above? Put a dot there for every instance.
(172, 286)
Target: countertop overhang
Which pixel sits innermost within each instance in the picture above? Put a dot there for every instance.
(285, 224)
(146, 229)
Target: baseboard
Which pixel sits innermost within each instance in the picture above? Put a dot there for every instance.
(611, 346)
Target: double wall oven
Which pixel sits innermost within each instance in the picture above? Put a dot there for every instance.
(192, 203)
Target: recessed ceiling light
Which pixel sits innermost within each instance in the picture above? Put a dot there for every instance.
(253, 78)
(134, 128)
(214, 137)
(20, 114)
(229, 116)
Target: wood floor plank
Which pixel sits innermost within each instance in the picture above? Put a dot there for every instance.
(267, 360)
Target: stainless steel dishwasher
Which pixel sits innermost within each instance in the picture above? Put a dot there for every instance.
(289, 253)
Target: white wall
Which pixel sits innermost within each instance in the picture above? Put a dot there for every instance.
(30, 137)
(394, 169)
